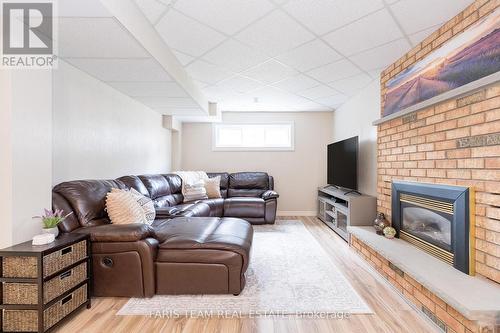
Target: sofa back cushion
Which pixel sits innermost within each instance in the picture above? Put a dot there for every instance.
(135, 183)
(248, 184)
(224, 181)
(87, 199)
(175, 183)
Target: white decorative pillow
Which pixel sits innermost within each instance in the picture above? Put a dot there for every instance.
(195, 191)
(123, 208)
(146, 204)
(212, 186)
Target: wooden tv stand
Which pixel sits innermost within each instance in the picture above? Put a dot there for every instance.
(339, 210)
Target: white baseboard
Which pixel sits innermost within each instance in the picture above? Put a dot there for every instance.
(296, 213)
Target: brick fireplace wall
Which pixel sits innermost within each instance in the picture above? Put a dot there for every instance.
(456, 142)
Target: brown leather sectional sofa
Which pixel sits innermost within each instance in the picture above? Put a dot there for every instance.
(199, 247)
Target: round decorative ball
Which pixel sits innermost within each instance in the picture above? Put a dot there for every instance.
(389, 232)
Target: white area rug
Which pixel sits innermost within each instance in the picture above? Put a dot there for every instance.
(289, 273)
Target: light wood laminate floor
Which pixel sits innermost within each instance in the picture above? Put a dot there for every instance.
(391, 312)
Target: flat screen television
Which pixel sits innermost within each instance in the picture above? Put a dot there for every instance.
(343, 163)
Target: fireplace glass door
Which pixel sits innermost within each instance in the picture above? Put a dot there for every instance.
(426, 224)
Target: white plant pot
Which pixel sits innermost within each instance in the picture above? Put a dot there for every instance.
(54, 231)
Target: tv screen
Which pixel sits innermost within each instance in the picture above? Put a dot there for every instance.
(343, 163)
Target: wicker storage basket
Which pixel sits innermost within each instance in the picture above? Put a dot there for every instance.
(27, 320)
(63, 282)
(20, 267)
(20, 293)
(58, 260)
(27, 293)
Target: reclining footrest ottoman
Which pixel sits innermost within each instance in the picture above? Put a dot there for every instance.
(202, 255)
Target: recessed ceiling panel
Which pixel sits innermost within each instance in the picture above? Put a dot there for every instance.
(318, 92)
(270, 72)
(322, 16)
(310, 55)
(370, 31)
(416, 15)
(352, 85)
(227, 16)
(79, 8)
(206, 72)
(274, 34)
(381, 56)
(187, 35)
(239, 84)
(235, 56)
(296, 83)
(334, 71)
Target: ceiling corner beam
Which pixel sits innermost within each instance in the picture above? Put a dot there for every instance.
(132, 18)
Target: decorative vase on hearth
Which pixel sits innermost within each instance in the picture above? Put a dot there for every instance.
(380, 223)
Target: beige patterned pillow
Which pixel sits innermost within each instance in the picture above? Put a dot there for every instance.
(146, 204)
(212, 186)
(123, 208)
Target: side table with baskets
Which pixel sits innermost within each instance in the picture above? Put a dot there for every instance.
(43, 284)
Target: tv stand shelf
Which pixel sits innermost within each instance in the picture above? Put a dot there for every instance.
(338, 209)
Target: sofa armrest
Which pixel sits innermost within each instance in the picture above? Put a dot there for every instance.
(167, 212)
(270, 195)
(117, 232)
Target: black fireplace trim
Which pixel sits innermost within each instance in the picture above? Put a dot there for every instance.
(457, 195)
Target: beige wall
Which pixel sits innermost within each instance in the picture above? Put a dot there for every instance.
(101, 133)
(353, 118)
(297, 173)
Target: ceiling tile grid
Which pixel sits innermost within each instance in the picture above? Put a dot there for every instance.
(288, 54)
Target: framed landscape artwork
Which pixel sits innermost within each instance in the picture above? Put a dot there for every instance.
(468, 57)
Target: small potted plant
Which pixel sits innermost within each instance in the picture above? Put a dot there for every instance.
(50, 220)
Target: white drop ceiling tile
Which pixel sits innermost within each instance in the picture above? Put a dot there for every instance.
(334, 71)
(152, 9)
(423, 34)
(145, 89)
(206, 72)
(322, 16)
(309, 55)
(187, 35)
(296, 83)
(166, 2)
(235, 56)
(167, 102)
(271, 96)
(352, 85)
(79, 8)
(200, 84)
(370, 31)
(269, 72)
(130, 70)
(312, 107)
(84, 37)
(239, 84)
(227, 16)
(333, 100)
(183, 58)
(274, 34)
(416, 15)
(317, 92)
(381, 57)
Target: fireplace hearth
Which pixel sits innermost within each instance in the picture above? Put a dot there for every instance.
(437, 219)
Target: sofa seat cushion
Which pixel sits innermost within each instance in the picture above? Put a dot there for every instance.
(244, 207)
(197, 209)
(202, 233)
